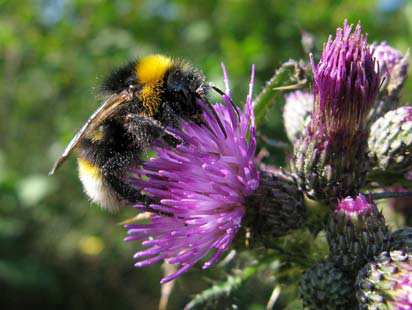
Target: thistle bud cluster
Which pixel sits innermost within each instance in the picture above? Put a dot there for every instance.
(356, 134)
(353, 127)
(365, 259)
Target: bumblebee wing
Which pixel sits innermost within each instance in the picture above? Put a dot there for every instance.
(108, 107)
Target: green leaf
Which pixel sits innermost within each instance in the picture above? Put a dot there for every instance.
(222, 289)
(290, 75)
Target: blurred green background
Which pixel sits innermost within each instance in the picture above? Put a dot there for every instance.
(56, 250)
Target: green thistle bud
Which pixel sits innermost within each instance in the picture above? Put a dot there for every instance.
(401, 239)
(386, 282)
(323, 286)
(275, 208)
(331, 169)
(390, 142)
(296, 113)
(356, 233)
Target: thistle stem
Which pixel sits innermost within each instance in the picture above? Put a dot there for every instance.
(386, 195)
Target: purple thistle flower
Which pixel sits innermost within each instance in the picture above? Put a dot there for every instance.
(346, 82)
(353, 208)
(386, 56)
(201, 186)
(331, 159)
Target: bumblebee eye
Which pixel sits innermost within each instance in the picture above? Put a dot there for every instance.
(131, 82)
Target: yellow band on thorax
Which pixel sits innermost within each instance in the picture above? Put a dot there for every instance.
(151, 69)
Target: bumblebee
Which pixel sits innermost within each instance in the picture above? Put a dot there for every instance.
(144, 97)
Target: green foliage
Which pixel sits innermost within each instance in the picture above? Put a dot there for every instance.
(55, 249)
(290, 75)
(222, 289)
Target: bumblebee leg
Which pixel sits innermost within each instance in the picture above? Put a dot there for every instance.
(146, 130)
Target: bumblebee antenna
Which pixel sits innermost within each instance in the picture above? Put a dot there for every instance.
(213, 111)
(222, 93)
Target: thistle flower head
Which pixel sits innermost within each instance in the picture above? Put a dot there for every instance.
(330, 161)
(386, 56)
(356, 233)
(346, 82)
(390, 141)
(386, 282)
(201, 187)
(354, 207)
(324, 286)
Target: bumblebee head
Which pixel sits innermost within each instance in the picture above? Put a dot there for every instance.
(160, 83)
